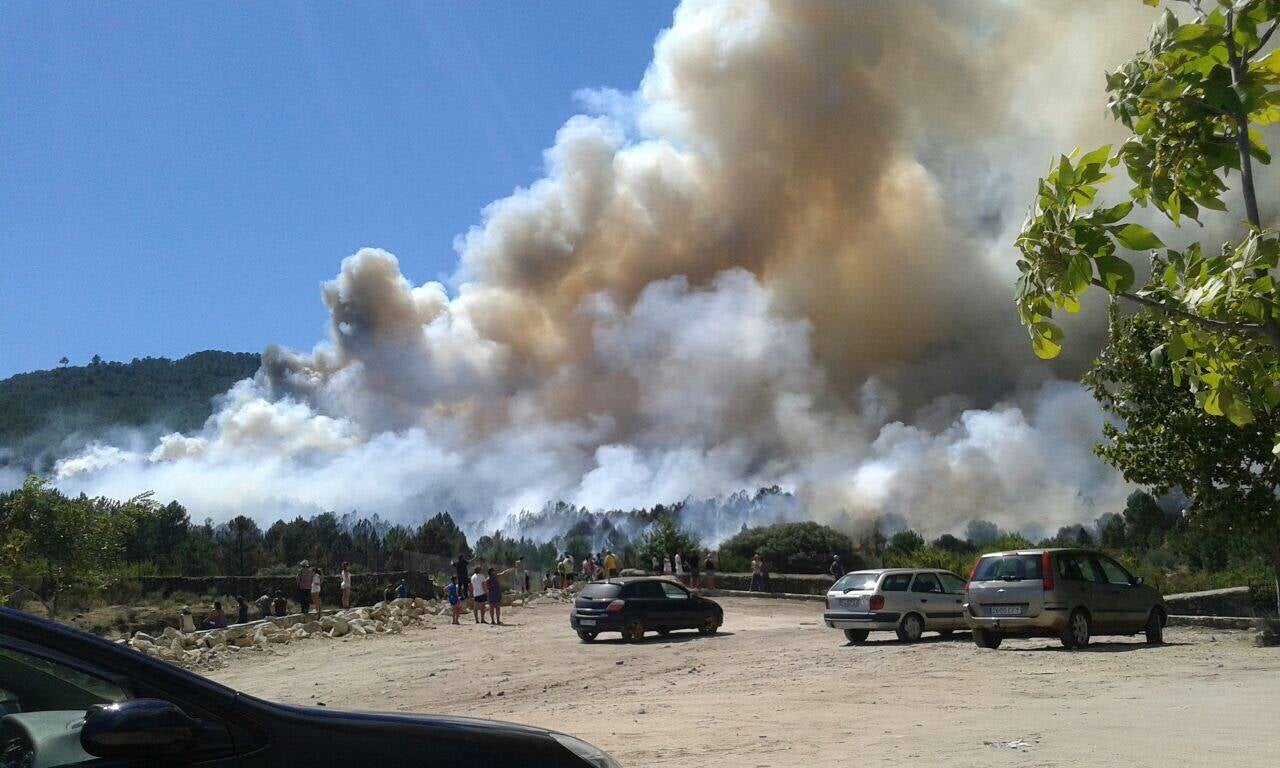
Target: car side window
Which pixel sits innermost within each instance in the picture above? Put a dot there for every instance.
(31, 684)
(647, 590)
(1114, 573)
(954, 585)
(895, 582)
(673, 592)
(926, 582)
(1074, 567)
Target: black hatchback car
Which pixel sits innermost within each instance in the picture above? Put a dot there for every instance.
(71, 698)
(641, 604)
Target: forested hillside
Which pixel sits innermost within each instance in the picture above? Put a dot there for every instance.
(40, 411)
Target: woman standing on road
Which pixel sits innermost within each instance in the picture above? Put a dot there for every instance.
(666, 566)
(493, 586)
(315, 591)
(709, 571)
(346, 585)
(680, 575)
(757, 573)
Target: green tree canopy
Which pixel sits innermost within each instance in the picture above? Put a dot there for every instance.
(790, 548)
(1164, 440)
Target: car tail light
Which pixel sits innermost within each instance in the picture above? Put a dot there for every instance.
(1046, 571)
(972, 572)
(615, 606)
(877, 602)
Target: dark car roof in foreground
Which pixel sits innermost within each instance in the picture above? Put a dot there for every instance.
(76, 643)
(634, 579)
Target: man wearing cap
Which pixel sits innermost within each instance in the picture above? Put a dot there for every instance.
(302, 590)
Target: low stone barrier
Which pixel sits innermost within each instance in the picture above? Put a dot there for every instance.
(366, 588)
(1231, 602)
(781, 583)
(1217, 622)
(764, 595)
(207, 646)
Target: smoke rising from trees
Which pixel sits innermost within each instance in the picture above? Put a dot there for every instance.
(784, 259)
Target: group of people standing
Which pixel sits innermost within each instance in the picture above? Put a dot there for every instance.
(484, 591)
(695, 570)
(307, 589)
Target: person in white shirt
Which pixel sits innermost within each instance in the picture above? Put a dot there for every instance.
(679, 568)
(346, 585)
(478, 598)
(315, 592)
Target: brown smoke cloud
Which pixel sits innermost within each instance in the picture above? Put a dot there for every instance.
(784, 258)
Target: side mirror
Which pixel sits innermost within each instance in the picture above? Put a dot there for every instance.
(136, 728)
(1138, 581)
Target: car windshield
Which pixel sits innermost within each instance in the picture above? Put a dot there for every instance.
(601, 591)
(1008, 568)
(855, 582)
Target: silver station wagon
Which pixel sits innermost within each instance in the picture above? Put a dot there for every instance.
(908, 601)
(1070, 594)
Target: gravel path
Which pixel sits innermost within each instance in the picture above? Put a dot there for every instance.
(777, 688)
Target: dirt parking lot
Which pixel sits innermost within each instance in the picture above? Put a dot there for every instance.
(777, 688)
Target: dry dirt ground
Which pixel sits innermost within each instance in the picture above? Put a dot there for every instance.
(777, 688)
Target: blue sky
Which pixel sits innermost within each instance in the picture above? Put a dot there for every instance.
(177, 177)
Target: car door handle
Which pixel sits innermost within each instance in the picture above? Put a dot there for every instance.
(924, 599)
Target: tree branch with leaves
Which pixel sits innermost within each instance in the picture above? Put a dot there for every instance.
(1193, 100)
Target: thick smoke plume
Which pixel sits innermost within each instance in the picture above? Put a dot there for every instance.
(784, 259)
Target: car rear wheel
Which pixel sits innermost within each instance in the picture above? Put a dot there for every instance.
(855, 635)
(984, 639)
(710, 625)
(633, 631)
(1076, 633)
(585, 636)
(910, 628)
(1155, 628)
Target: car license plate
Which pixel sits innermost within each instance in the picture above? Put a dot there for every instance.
(587, 622)
(1005, 610)
(850, 602)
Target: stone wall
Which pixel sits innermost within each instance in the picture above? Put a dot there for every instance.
(1233, 601)
(793, 583)
(366, 588)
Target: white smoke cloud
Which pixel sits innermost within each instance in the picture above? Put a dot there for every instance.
(784, 259)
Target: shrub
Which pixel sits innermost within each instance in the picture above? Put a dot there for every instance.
(789, 548)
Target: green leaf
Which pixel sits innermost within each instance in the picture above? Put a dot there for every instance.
(1098, 156)
(1045, 349)
(1136, 237)
(1079, 272)
(1165, 89)
(1113, 214)
(1238, 411)
(1176, 348)
(1189, 32)
(1117, 274)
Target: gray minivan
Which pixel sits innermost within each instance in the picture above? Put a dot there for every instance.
(1071, 594)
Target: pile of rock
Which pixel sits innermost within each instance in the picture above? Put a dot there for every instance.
(207, 647)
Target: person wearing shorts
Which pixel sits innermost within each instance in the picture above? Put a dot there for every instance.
(478, 597)
(455, 602)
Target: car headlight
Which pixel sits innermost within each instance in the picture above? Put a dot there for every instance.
(593, 756)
